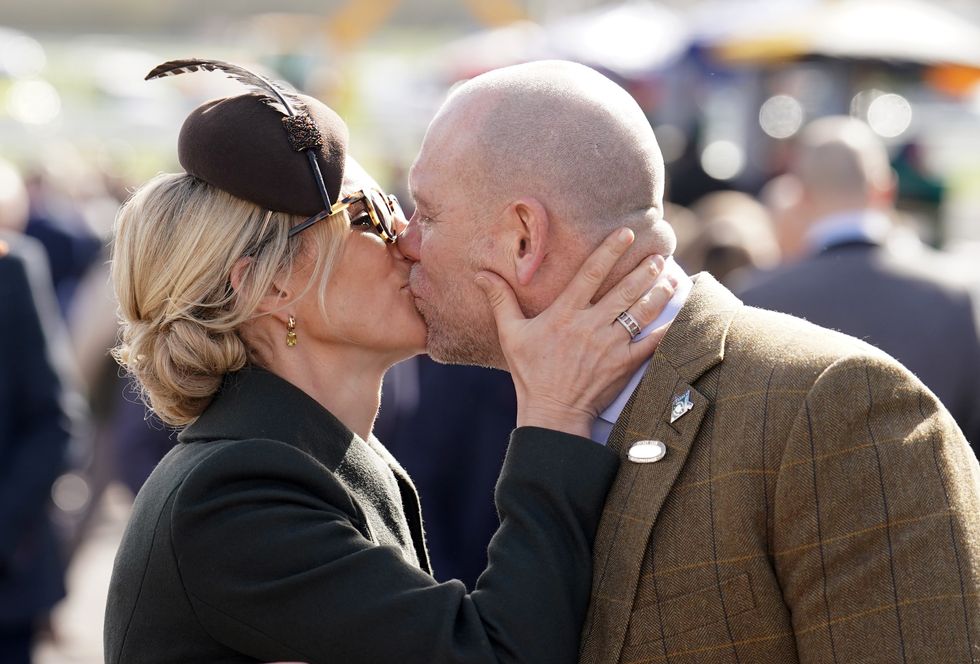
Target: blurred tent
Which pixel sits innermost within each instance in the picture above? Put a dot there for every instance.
(900, 31)
(629, 40)
(482, 51)
(715, 21)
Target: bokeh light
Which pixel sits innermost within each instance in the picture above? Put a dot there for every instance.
(71, 493)
(861, 102)
(723, 160)
(890, 115)
(20, 55)
(33, 102)
(781, 116)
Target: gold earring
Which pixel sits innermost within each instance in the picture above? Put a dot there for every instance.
(291, 332)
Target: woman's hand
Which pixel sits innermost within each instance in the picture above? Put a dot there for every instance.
(572, 359)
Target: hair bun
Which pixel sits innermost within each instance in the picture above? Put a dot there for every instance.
(179, 364)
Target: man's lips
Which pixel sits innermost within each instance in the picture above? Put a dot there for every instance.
(414, 275)
(413, 286)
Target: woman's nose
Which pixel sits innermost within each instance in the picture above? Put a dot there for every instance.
(395, 248)
(399, 223)
(408, 241)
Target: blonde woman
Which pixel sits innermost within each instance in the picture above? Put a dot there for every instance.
(263, 297)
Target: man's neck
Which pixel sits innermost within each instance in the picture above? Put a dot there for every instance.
(868, 225)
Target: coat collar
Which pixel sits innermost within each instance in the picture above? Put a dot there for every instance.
(255, 403)
(694, 343)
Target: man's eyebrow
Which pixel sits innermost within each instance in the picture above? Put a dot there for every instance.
(412, 193)
(419, 200)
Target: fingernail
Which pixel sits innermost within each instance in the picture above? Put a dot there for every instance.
(482, 282)
(625, 235)
(656, 263)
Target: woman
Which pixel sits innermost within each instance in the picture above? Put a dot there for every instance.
(279, 528)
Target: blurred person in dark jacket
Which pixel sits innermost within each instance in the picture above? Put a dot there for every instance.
(916, 306)
(34, 429)
(71, 246)
(427, 408)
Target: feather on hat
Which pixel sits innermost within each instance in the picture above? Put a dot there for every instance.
(266, 146)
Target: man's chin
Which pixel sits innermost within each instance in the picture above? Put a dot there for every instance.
(457, 349)
(484, 363)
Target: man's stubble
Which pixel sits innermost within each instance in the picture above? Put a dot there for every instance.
(461, 329)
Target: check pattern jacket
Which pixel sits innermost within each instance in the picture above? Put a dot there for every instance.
(817, 504)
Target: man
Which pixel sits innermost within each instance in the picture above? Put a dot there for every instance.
(786, 493)
(850, 279)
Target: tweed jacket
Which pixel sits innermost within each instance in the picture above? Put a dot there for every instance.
(817, 504)
(273, 533)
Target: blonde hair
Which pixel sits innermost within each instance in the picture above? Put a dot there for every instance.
(176, 242)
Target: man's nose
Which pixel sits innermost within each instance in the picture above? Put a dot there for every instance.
(408, 241)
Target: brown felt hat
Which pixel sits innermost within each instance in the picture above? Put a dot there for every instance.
(245, 147)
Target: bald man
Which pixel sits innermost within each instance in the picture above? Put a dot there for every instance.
(786, 493)
(849, 278)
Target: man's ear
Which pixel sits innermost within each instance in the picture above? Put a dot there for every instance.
(272, 300)
(529, 220)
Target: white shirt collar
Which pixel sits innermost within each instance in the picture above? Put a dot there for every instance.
(853, 225)
(603, 425)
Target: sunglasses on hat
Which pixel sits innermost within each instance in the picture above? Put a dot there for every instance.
(367, 207)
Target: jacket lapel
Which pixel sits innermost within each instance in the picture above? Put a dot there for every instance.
(694, 344)
(410, 503)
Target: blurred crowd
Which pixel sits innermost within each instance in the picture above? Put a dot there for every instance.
(69, 428)
(834, 224)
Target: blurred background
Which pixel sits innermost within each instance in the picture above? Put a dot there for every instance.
(727, 85)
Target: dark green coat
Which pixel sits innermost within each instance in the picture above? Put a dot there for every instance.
(274, 533)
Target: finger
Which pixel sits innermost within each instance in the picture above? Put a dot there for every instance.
(645, 310)
(596, 268)
(501, 298)
(642, 349)
(630, 288)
